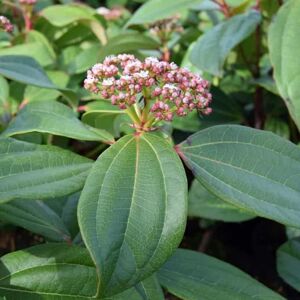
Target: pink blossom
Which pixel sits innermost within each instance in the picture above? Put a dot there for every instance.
(5, 24)
(171, 89)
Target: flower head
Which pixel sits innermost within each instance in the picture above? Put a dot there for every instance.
(5, 24)
(169, 89)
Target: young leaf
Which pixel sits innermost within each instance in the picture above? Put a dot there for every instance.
(212, 48)
(30, 171)
(132, 210)
(155, 10)
(54, 118)
(284, 45)
(188, 274)
(288, 262)
(103, 115)
(204, 204)
(252, 169)
(24, 69)
(50, 271)
(37, 217)
(62, 15)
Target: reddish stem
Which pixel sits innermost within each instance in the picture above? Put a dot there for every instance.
(28, 22)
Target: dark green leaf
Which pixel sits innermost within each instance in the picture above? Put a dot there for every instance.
(132, 210)
(252, 169)
(35, 216)
(204, 204)
(284, 51)
(24, 69)
(192, 276)
(212, 48)
(288, 262)
(54, 118)
(150, 289)
(30, 171)
(51, 272)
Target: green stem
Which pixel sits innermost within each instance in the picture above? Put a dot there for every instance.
(133, 115)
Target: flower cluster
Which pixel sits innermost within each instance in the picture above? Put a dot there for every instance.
(27, 2)
(5, 24)
(166, 88)
(110, 14)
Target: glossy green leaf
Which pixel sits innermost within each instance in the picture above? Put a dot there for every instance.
(35, 216)
(62, 15)
(252, 169)
(127, 42)
(192, 275)
(30, 171)
(288, 262)
(54, 118)
(155, 10)
(204, 204)
(24, 69)
(212, 48)
(50, 271)
(284, 45)
(132, 210)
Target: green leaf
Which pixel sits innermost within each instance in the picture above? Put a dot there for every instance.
(101, 114)
(33, 93)
(35, 50)
(150, 289)
(50, 271)
(204, 204)
(188, 274)
(283, 40)
(62, 15)
(212, 48)
(35, 216)
(4, 94)
(30, 171)
(24, 69)
(132, 210)
(84, 60)
(54, 118)
(277, 126)
(155, 10)
(36, 46)
(288, 262)
(252, 169)
(292, 232)
(126, 43)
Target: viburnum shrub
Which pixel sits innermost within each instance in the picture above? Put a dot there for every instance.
(136, 137)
